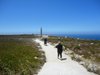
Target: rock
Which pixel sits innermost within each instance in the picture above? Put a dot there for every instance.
(79, 44)
(91, 43)
(91, 67)
(82, 63)
(35, 57)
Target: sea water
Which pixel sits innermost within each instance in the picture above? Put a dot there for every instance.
(81, 36)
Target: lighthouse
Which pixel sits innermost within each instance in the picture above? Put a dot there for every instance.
(41, 31)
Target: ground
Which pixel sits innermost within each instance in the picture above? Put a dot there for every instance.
(55, 66)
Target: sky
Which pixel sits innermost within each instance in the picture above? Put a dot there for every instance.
(54, 16)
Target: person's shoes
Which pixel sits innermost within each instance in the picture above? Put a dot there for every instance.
(61, 57)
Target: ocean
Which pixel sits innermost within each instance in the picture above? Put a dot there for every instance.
(81, 36)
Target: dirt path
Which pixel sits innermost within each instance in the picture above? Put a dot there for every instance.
(54, 66)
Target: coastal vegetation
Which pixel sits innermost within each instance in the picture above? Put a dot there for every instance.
(88, 48)
(19, 55)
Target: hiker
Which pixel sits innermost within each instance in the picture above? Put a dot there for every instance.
(45, 41)
(59, 49)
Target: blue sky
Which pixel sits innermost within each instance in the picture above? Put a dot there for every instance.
(54, 16)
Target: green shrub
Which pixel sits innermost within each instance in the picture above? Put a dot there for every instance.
(19, 57)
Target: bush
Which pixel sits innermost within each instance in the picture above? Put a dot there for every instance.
(18, 57)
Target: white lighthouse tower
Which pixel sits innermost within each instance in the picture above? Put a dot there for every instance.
(41, 32)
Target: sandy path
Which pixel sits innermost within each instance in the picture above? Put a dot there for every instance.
(54, 66)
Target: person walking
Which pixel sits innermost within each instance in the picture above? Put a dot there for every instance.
(59, 49)
(45, 41)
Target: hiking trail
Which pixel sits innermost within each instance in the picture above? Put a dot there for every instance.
(55, 66)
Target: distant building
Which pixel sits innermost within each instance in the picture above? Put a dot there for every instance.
(45, 36)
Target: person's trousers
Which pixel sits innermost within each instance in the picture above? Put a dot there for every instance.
(59, 54)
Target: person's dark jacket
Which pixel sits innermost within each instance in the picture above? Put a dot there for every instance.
(45, 41)
(59, 47)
